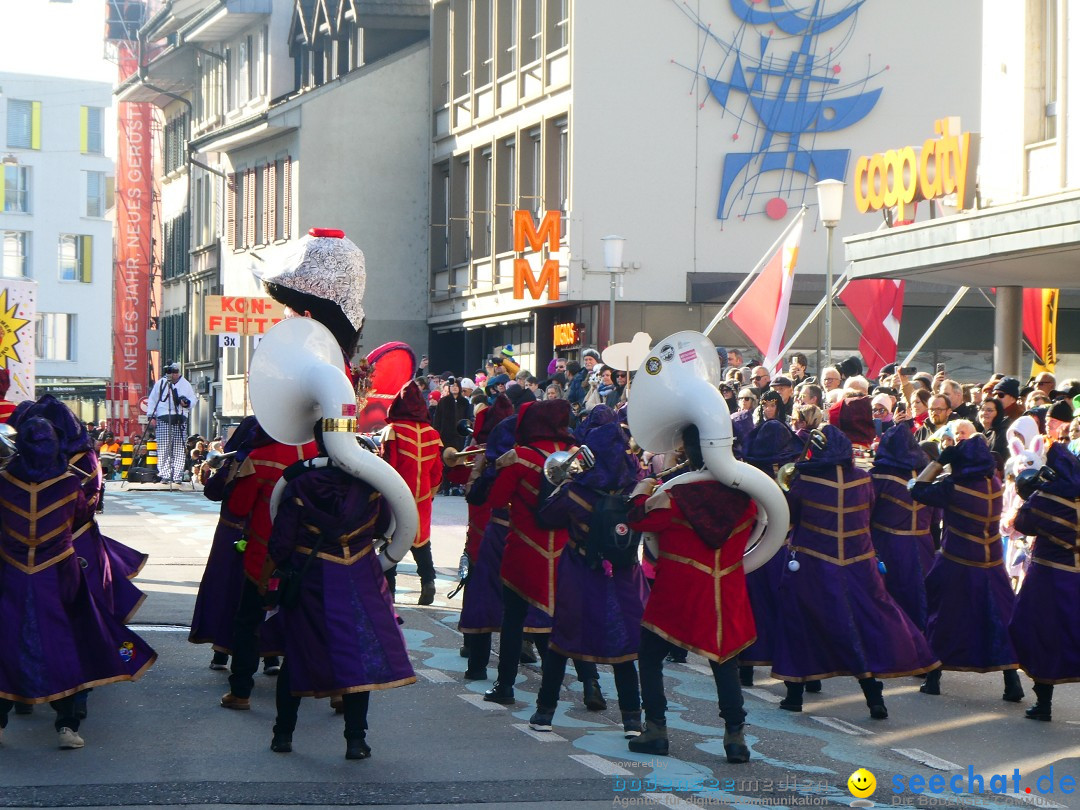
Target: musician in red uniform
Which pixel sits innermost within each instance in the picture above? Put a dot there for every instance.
(7, 407)
(532, 553)
(250, 500)
(412, 447)
(480, 514)
(698, 600)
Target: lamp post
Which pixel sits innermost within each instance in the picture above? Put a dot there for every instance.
(613, 250)
(830, 194)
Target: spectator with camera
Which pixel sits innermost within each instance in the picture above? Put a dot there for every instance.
(169, 408)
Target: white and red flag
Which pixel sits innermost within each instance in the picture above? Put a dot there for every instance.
(876, 304)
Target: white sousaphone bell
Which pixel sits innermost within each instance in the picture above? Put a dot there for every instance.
(677, 385)
(296, 378)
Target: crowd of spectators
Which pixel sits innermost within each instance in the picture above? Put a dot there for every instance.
(109, 447)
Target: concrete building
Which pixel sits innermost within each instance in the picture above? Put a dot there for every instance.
(56, 226)
(694, 138)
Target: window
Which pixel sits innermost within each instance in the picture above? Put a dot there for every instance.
(243, 71)
(14, 256)
(176, 143)
(283, 198)
(482, 25)
(76, 257)
(174, 336)
(92, 135)
(17, 189)
(482, 202)
(440, 213)
(532, 31)
(177, 255)
(54, 338)
(230, 80)
(1050, 68)
(24, 124)
(558, 12)
(204, 211)
(95, 194)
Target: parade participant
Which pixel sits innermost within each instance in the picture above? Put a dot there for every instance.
(699, 600)
(250, 501)
(1043, 628)
(170, 404)
(55, 639)
(7, 407)
(341, 636)
(598, 604)
(836, 618)
(968, 595)
(412, 447)
(529, 561)
(768, 447)
(900, 526)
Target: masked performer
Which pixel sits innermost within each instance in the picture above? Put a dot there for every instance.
(1044, 628)
(341, 637)
(55, 639)
(900, 525)
(968, 594)
(599, 600)
(836, 618)
(412, 447)
(698, 600)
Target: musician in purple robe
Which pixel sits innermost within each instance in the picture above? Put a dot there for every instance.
(899, 525)
(598, 606)
(836, 618)
(1044, 626)
(56, 638)
(968, 595)
(341, 636)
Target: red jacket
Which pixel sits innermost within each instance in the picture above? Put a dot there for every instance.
(414, 449)
(532, 553)
(250, 498)
(699, 598)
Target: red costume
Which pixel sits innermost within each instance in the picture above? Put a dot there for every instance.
(7, 408)
(250, 498)
(532, 553)
(412, 447)
(699, 599)
(479, 516)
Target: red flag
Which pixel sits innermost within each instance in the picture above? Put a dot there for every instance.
(876, 304)
(762, 312)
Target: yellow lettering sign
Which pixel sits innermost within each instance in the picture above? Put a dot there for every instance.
(549, 277)
(526, 232)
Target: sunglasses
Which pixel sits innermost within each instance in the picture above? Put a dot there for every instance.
(879, 409)
(761, 377)
(746, 399)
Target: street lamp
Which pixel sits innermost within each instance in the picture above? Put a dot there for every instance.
(10, 160)
(613, 250)
(830, 195)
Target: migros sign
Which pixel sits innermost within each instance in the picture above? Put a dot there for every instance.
(897, 178)
(550, 231)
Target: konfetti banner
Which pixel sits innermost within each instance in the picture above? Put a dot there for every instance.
(18, 321)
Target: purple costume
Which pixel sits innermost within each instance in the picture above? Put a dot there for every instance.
(899, 525)
(341, 637)
(768, 446)
(1044, 628)
(56, 638)
(836, 618)
(597, 610)
(968, 594)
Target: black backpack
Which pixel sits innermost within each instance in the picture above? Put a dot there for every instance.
(610, 535)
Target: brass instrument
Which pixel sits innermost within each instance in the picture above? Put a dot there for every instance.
(456, 458)
(565, 464)
(215, 460)
(786, 474)
(670, 472)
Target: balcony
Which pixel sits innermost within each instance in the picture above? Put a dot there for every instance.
(229, 18)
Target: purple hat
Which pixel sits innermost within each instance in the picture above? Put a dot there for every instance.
(40, 454)
(771, 443)
(899, 450)
(616, 467)
(73, 436)
(1067, 467)
(837, 451)
(971, 459)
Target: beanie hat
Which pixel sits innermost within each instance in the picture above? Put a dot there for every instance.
(591, 353)
(1061, 410)
(1008, 385)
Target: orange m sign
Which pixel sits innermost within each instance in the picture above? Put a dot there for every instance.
(550, 231)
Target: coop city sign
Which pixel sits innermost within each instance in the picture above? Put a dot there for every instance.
(897, 178)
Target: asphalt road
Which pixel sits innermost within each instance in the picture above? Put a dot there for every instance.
(165, 741)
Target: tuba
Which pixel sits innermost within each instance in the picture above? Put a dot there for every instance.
(676, 386)
(296, 379)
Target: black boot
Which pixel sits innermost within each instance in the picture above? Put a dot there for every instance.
(594, 698)
(1044, 696)
(282, 742)
(933, 683)
(813, 687)
(746, 675)
(427, 593)
(652, 740)
(357, 748)
(793, 701)
(735, 743)
(872, 688)
(1014, 692)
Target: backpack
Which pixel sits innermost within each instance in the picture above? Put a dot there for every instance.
(610, 535)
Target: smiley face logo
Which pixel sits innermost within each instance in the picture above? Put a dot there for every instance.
(862, 783)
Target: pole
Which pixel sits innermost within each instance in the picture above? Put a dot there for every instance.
(840, 284)
(733, 299)
(828, 292)
(949, 307)
(611, 312)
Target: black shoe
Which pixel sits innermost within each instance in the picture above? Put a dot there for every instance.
(677, 656)
(271, 665)
(220, 661)
(1044, 697)
(1014, 692)
(476, 675)
(746, 676)
(357, 749)
(503, 695)
(281, 744)
(792, 702)
(933, 683)
(631, 724)
(879, 712)
(463, 651)
(790, 705)
(813, 687)
(735, 744)
(594, 698)
(652, 740)
(427, 594)
(542, 719)
(1038, 712)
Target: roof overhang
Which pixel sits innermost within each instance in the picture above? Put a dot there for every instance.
(171, 71)
(247, 134)
(1034, 243)
(229, 19)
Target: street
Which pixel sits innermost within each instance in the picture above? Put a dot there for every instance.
(165, 741)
